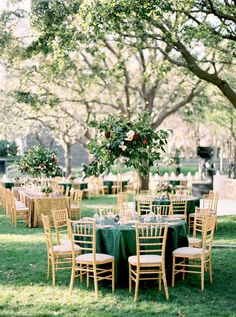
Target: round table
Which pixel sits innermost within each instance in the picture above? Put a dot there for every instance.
(120, 241)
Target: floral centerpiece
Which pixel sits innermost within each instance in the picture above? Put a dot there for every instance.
(132, 143)
(165, 188)
(39, 160)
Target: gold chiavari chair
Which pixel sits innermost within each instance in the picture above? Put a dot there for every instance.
(116, 187)
(199, 220)
(58, 189)
(163, 210)
(149, 263)
(105, 210)
(89, 263)
(208, 201)
(60, 217)
(122, 201)
(2, 197)
(102, 189)
(60, 255)
(144, 204)
(179, 207)
(75, 204)
(18, 211)
(196, 260)
(215, 206)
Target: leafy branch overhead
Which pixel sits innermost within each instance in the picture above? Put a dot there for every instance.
(122, 141)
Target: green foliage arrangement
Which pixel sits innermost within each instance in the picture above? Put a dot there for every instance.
(8, 148)
(46, 189)
(130, 143)
(39, 160)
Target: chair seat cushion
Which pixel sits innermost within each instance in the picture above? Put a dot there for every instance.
(189, 252)
(182, 216)
(75, 206)
(64, 248)
(100, 257)
(146, 259)
(194, 241)
(19, 209)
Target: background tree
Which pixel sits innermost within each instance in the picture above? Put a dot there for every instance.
(199, 35)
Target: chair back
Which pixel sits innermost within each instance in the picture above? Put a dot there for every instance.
(76, 196)
(145, 192)
(144, 204)
(179, 206)
(163, 210)
(208, 233)
(60, 217)
(82, 233)
(8, 202)
(122, 201)
(200, 217)
(182, 192)
(207, 200)
(105, 210)
(215, 203)
(3, 197)
(151, 239)
(47, 232)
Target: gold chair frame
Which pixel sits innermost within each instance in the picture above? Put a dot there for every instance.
(199, 259)
(150, 258)
(89, 263)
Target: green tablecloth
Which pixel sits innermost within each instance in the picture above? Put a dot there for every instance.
(174, 182)
(120, 241)
(110, 183)
(9, 185)
(81, 186)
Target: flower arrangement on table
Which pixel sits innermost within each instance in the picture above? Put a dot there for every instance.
(47, 189)
(39, 160)
(165, 188)
(132, 143)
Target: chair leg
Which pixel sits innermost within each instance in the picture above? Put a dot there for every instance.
(95, 280)
(130, 280)
(136, 286)
(87, 276)
(113, 276)
(210, 270)
(216, 227)
(165, 283)
(183, 276)
(80, 274)
(53, 271)
(49, 264)
(72, 278)
(173, 272)
(202, 274)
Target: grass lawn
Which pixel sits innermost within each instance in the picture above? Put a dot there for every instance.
(25, 291)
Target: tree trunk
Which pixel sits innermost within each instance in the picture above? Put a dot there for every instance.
(68, 158)
(143, 182)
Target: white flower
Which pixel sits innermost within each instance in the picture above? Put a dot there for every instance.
(122, 146)
(130, 135)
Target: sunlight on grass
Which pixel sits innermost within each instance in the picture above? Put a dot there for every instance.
(25, 290)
